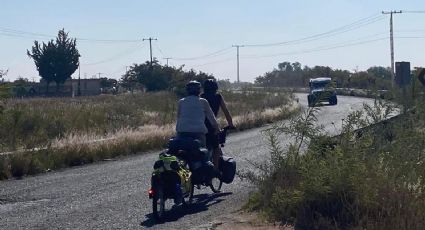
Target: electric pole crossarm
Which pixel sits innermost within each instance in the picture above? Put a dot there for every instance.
(167, 58)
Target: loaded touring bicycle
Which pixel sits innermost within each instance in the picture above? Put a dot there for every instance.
(181, 168)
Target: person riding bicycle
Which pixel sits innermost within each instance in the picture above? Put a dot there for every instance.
(192, 111)
(216, 101)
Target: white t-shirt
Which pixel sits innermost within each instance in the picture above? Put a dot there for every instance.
(191, 114)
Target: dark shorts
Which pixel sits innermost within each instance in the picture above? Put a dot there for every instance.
(212, 140)
(198, 136)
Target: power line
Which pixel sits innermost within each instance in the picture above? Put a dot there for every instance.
(409, 37)
(346, 28)
(351, 41)
(352, 26)
(119, 70)
(214, 62)
(411, 30)
(107, 40)
(317, 49)
(159, 49)
(209, 55)
(32, 35)
(115, 57)
(337, 45)
(320, 36)
(414, 11)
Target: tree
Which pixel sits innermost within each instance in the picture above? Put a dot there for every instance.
(297, 66)
(107, 82)
(57, 60)
(341, 77)
(4, 87)
(21, 87)
(3, 73)
(153, 76)
(287, 74)
(380, 72)
(158, 77)
(285, 66)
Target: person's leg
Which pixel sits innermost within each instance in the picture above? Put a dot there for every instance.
(202, 139)
(216, 157)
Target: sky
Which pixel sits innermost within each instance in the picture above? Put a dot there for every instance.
(199, 34)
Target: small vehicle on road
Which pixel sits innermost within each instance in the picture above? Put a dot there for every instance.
(181, 168)
(321, 90)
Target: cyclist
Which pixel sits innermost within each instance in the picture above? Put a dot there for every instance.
(216, 101)
(192, 111)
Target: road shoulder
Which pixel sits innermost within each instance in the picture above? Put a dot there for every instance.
(242, 220)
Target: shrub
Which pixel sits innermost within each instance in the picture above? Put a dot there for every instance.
(35, 166)
(4, 168)
(351, 181)
(19, 165)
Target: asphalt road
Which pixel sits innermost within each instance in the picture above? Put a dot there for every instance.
(113, 194)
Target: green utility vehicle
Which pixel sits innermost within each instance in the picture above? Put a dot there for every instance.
(321, 90)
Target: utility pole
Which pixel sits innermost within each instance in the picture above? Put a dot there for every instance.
(167, 58)
(237, 58)
(99, 74)
(392, 42)
(79, 81)
(150, 45)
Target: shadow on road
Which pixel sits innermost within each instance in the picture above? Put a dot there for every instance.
(200, 203)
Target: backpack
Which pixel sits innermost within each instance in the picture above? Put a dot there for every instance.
(170, 163)
(227, 168)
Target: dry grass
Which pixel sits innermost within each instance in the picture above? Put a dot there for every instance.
(77, 148)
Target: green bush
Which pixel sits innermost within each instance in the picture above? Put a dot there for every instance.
(19, 165)
(351, 181)
(35, 166)
(4, 168)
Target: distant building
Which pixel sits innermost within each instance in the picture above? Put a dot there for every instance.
(88, 87)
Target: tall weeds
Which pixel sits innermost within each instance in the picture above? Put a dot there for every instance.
(113, 126)
(31, 123)
(367, 179)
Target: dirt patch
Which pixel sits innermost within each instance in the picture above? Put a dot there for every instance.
(242, 221)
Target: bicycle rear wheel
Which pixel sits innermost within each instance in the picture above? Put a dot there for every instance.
(158, 205)
(216, 184)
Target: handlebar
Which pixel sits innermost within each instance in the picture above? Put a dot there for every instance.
(222, 134)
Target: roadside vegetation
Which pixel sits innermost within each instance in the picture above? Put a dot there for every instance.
(51, 133)
(295, 75)
(372, 178)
